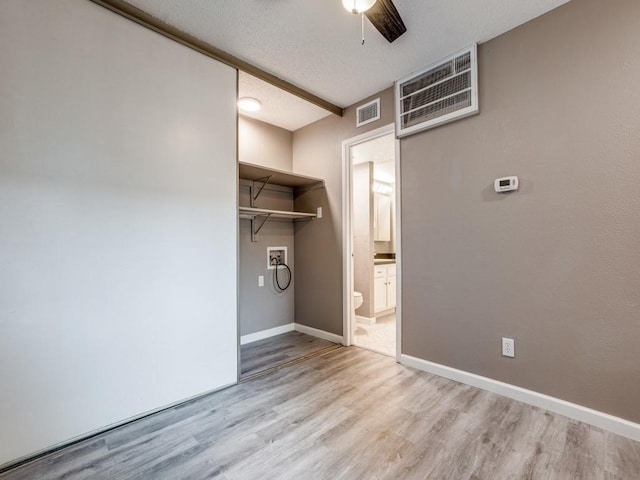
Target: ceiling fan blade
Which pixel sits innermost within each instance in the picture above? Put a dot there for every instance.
(385, 17)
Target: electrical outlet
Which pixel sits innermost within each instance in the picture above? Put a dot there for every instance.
(508, 347)
(261, 280)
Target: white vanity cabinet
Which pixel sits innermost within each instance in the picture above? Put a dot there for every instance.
(384, 287)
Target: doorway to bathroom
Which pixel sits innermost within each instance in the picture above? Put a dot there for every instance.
(371, 264)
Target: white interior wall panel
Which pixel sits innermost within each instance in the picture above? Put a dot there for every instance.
(118, 228)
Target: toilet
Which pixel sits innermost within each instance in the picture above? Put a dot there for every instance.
(357, 300)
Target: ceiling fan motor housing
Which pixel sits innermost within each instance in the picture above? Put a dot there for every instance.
(383, 16)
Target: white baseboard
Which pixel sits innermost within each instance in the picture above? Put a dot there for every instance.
(314, 332)
(384, 313)
(366, 320)
(290, 327)
(271, 332)
(596, 418)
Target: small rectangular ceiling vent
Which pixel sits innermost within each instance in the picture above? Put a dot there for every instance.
(367, 113)
(441, 93)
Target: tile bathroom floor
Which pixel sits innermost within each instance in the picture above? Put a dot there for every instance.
(380, 337)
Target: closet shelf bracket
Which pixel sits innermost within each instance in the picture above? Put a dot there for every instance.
(254, 230)
(253, 187)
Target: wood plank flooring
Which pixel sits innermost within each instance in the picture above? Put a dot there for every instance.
(350, 414)
(277, 350)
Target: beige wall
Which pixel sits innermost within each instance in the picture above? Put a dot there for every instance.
(556, 266)
(262, 308)
(264, 144)
(317, 151)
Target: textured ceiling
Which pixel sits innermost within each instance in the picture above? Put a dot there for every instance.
(279, 108)
(315, 44)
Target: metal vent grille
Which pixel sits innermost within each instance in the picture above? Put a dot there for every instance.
(438, 94)
(367, 113)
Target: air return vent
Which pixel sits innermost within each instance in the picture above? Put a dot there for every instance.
(367, 113)
(441, 93)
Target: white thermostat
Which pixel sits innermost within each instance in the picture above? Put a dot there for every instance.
(505, 184)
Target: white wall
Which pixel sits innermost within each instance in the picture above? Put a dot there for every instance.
(118, 227)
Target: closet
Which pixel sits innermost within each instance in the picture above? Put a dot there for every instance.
(267, 186)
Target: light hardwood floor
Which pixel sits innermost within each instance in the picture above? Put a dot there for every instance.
(280, 349)
(350, 414)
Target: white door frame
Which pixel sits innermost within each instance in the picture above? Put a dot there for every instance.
(347, 237)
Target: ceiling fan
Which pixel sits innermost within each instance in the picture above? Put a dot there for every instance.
(381, 13)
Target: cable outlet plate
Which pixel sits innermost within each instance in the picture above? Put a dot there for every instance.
(276, 256)
(508, 347)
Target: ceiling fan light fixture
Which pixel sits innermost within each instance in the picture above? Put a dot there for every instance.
(249, 104)
(358, 6)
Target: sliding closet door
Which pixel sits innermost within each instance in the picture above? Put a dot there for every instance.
(118, 226)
